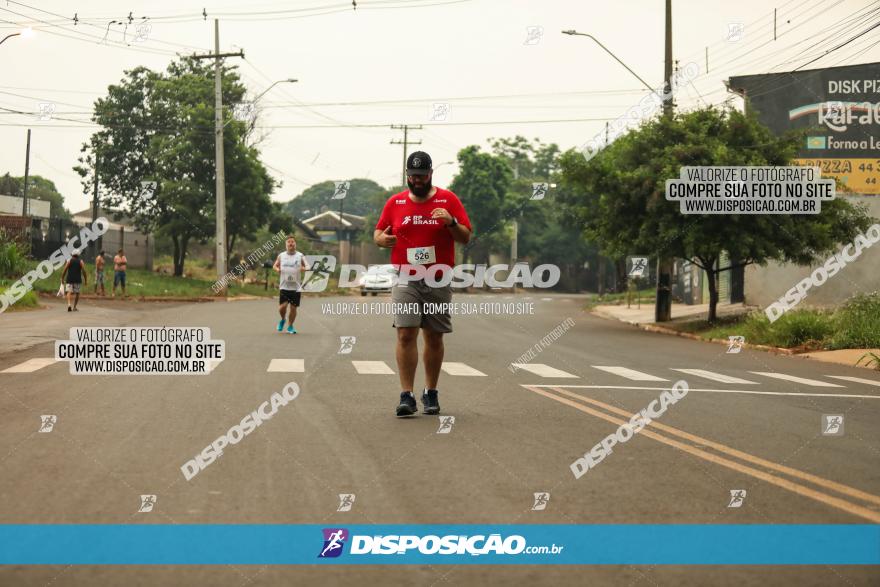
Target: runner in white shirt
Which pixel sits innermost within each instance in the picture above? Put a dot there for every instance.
(289, 265)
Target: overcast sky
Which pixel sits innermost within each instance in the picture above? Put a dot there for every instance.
(401, 57)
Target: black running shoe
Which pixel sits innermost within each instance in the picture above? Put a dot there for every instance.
(430, 403)
(407, 406)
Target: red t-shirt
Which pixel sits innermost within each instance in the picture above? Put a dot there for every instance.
(413, 226)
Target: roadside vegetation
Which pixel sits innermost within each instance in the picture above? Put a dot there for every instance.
(855, 325)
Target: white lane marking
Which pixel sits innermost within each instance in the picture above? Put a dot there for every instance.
(716, 376)
(31, 365)
(546, 299)
(744, 391)
(856, 379)
(628, 373)
(372, 368)
(451, 368)
(543, 370)
(286, 366)
(801, 380)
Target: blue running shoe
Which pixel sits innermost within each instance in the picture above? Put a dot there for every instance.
(291, 329)
(281, 325)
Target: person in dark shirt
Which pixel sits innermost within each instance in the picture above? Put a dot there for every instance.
(73, 276)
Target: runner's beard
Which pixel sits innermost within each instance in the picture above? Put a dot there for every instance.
(419, 192)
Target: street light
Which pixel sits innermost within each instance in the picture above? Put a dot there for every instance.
(26, 33)
(574, 32)
(254, 101)
(281, 81)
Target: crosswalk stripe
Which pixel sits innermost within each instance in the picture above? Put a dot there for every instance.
(716, 376)
(628, 373)
(543, 370)
(856, 379)
(451, 368)
(372, 368)
(286, 366)
(801, 380)
(31, 365)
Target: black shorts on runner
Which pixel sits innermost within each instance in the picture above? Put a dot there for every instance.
(288, 296)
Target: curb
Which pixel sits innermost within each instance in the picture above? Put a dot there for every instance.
(663, 330)
(759, 347)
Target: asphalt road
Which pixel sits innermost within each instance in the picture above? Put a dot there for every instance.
(515, 433)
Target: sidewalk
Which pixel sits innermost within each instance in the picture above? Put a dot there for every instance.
(644, 318)
(645, 314)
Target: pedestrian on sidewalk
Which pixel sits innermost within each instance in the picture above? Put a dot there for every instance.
(73, 276)
(120, 264)
(99, 273)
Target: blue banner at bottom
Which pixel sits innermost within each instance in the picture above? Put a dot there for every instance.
(622, 544)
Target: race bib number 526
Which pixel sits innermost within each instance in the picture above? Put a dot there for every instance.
(421, 255)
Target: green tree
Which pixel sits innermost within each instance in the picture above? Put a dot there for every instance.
(160, 127)
(619, 197)
(481, 184)
(359, 200)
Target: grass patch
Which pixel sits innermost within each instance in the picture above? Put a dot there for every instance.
(856, 324)
(197, 282)
(140, 282)
(28, 302)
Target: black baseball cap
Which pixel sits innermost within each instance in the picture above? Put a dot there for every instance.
(418, 163)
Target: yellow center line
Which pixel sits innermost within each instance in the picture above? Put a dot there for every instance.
(826, 483)
(826, 499)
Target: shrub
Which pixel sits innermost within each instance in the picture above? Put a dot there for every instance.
(13, 262)
(857, 323)
(801, 327)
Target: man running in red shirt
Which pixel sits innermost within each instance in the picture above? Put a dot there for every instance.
(421, 226)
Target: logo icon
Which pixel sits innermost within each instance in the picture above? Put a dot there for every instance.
(346, 344)
(832, 424)
(147, 503)
(346, 500)
(737, 497)
(47, 423)
(148, 189)
(47, 109)
(406, 220)
(735, 32)
(541, 500)
(439, 113)
(735, 343)
(318, 274)
(243, 111)
(637, 266)
(533, 35)
(539, 190)
(340, 190)
(446, 423)
(334, 541)
(142, 33)
(815, 142)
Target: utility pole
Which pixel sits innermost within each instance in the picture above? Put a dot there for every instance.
(27, 169)
(95, 246)
(663, 303)
(405, 142)
(219, 165)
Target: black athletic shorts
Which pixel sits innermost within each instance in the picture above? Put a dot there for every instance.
(287, 296)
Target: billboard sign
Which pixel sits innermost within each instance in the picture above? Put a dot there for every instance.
(839, 107)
